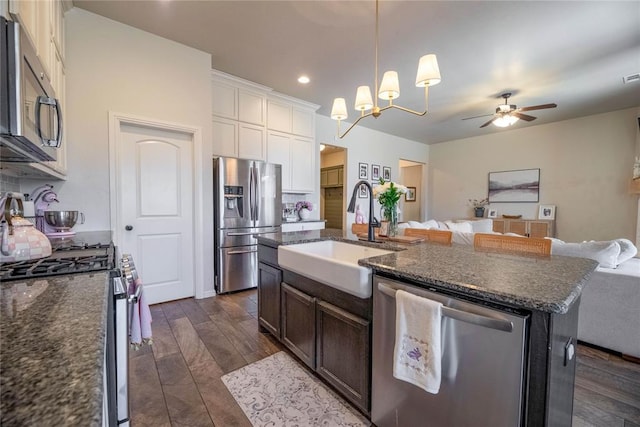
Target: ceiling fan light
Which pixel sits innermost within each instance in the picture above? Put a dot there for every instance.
(505, 121)
(363, 99)
(390, 86)
(339, 109)
(428, 71)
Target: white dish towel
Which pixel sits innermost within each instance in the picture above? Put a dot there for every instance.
(140, 332)
(417, 353)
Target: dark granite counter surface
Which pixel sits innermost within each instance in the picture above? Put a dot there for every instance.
(548, 284)
(52, 333)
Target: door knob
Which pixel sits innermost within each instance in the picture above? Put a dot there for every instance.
(128, 227)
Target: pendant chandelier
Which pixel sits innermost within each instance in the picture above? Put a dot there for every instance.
(428, 75)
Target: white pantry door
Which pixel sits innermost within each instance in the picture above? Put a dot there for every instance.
(155, 186)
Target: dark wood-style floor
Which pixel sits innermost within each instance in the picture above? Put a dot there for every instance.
(176, 382)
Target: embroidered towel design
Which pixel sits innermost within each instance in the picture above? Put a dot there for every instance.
(417, 352)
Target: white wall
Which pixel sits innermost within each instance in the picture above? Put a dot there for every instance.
(369, 146)
(114, 67)
(585, 167)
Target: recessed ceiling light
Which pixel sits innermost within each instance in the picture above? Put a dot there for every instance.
(303, 79)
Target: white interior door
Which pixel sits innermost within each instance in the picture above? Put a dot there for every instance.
(155, 209)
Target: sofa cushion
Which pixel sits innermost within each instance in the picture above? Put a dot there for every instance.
(606, 253)
(482, 226)
(459, 226)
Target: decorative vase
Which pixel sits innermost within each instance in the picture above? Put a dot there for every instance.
(391, 214)
(479, 212)
(304, 213)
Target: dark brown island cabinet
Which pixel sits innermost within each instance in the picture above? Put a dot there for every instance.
(327, 329)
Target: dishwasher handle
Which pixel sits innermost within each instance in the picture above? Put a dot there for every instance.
(463, 316)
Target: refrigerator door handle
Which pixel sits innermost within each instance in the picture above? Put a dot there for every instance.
(256, 188)
(251, 195)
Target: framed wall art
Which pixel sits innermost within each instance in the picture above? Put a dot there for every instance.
(362, 170)
(410, 195)
(362, 191)
(493, 213)
(514, 186)
(375, 172)
(386, 173)
(547, 212)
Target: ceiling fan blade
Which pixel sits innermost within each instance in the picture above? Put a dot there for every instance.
(489, 122)
(538, 107)
(475, 117)
(525, 117)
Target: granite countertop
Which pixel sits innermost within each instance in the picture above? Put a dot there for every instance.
(52, 333)
(548, 284)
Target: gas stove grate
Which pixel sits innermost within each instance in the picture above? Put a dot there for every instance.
(55, 266)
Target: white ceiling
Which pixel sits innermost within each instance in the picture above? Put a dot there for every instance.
(572, 53)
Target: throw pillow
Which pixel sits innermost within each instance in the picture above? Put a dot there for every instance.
(606, 253)
(459, 226)
(627, 250)
(432, 224)
(416, 224)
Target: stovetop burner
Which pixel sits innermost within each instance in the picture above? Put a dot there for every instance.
(63, 261)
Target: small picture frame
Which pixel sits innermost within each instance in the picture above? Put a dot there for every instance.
(386, 173)
(493, 213)
(547, 212)
(384, 228)
(375, 172)
(362, 170)
(410, 195)
(362, 191)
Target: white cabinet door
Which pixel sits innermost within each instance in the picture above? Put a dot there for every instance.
(26, 12)
(302, 122)
(302, 165)
(278, 116)
(278, 151)
(251, 107)
(224, 137)
(224, 100)
(251, 142)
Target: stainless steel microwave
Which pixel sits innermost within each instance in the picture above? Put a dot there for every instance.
(30, 115)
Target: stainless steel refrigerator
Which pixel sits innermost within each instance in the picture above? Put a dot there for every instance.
(247, 201)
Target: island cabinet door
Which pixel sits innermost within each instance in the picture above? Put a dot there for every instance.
(269, 280)
(499, 225)
(343, 349)
(299, 324)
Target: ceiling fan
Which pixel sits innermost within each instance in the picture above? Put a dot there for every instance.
(507, 114)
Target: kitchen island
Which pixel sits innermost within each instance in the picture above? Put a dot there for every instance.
(546, 290)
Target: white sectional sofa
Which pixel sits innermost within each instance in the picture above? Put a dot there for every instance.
(610, 306)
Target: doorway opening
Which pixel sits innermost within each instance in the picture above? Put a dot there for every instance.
(412, 176)
(332, 181)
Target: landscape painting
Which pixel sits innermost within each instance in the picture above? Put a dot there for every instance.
(514, 186)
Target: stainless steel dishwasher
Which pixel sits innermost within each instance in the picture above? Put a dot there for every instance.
(483, 360)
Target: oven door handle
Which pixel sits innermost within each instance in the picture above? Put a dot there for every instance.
(133, 299)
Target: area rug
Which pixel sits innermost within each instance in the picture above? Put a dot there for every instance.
(277, 391)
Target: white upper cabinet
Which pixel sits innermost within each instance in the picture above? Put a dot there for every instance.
(253, 122)
(285, 117)
(224, 100)
(278, 116)
(251, 107)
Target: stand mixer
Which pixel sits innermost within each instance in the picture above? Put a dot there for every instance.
(43, 197)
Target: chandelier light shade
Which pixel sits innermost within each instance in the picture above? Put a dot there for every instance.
(428, 75)
(428, 71)
(390, 86)
(363, 99)
(339, 110)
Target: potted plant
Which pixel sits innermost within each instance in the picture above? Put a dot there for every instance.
(304, 209)
(388, 194)
(478, 206)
